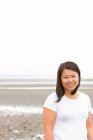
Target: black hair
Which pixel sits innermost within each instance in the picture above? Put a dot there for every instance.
(59, 87)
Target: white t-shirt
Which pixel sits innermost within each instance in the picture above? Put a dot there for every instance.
(71, 117)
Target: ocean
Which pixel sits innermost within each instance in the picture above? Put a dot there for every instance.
(28, 95)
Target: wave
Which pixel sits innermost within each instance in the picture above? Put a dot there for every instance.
(13, 110)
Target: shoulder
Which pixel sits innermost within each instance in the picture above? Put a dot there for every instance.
(86, 99)
(50, 102)
(84, 95)
(52, 96)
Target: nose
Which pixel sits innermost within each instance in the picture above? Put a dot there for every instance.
(70, 79)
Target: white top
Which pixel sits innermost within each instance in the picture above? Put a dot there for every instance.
(71, 117)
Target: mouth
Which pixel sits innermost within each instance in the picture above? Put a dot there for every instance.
(71, 85)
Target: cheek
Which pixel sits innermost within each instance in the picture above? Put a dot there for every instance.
(77, 81)
(64, 82)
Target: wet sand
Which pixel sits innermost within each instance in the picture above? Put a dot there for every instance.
(33, 92)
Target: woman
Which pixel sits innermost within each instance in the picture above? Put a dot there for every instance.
(67, 112)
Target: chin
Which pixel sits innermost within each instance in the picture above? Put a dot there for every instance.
(71, 89)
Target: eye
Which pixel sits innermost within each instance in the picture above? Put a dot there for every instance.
(73, 76)
(65, 77)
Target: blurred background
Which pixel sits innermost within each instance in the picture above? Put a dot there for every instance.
(35, 37)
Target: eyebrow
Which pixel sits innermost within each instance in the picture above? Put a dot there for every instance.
(71, 75)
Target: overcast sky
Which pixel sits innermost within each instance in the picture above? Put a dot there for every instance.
(35, 37)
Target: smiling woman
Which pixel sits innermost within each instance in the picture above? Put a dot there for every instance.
(66, 109)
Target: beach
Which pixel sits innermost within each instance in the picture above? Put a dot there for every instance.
(21, 127)
(21, 104)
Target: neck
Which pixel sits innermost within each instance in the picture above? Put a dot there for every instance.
(69, 95)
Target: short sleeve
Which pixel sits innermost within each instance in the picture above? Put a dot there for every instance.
(50, 102)
(89, 105)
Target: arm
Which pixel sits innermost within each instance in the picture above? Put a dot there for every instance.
(49, 117)
(89, 125)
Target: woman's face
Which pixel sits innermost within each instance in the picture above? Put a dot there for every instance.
(69, 79)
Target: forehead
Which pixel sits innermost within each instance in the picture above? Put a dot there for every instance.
(69, 72)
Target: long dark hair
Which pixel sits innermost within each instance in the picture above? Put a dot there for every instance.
(59, 87)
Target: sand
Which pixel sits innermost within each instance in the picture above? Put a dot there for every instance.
(21, 127)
